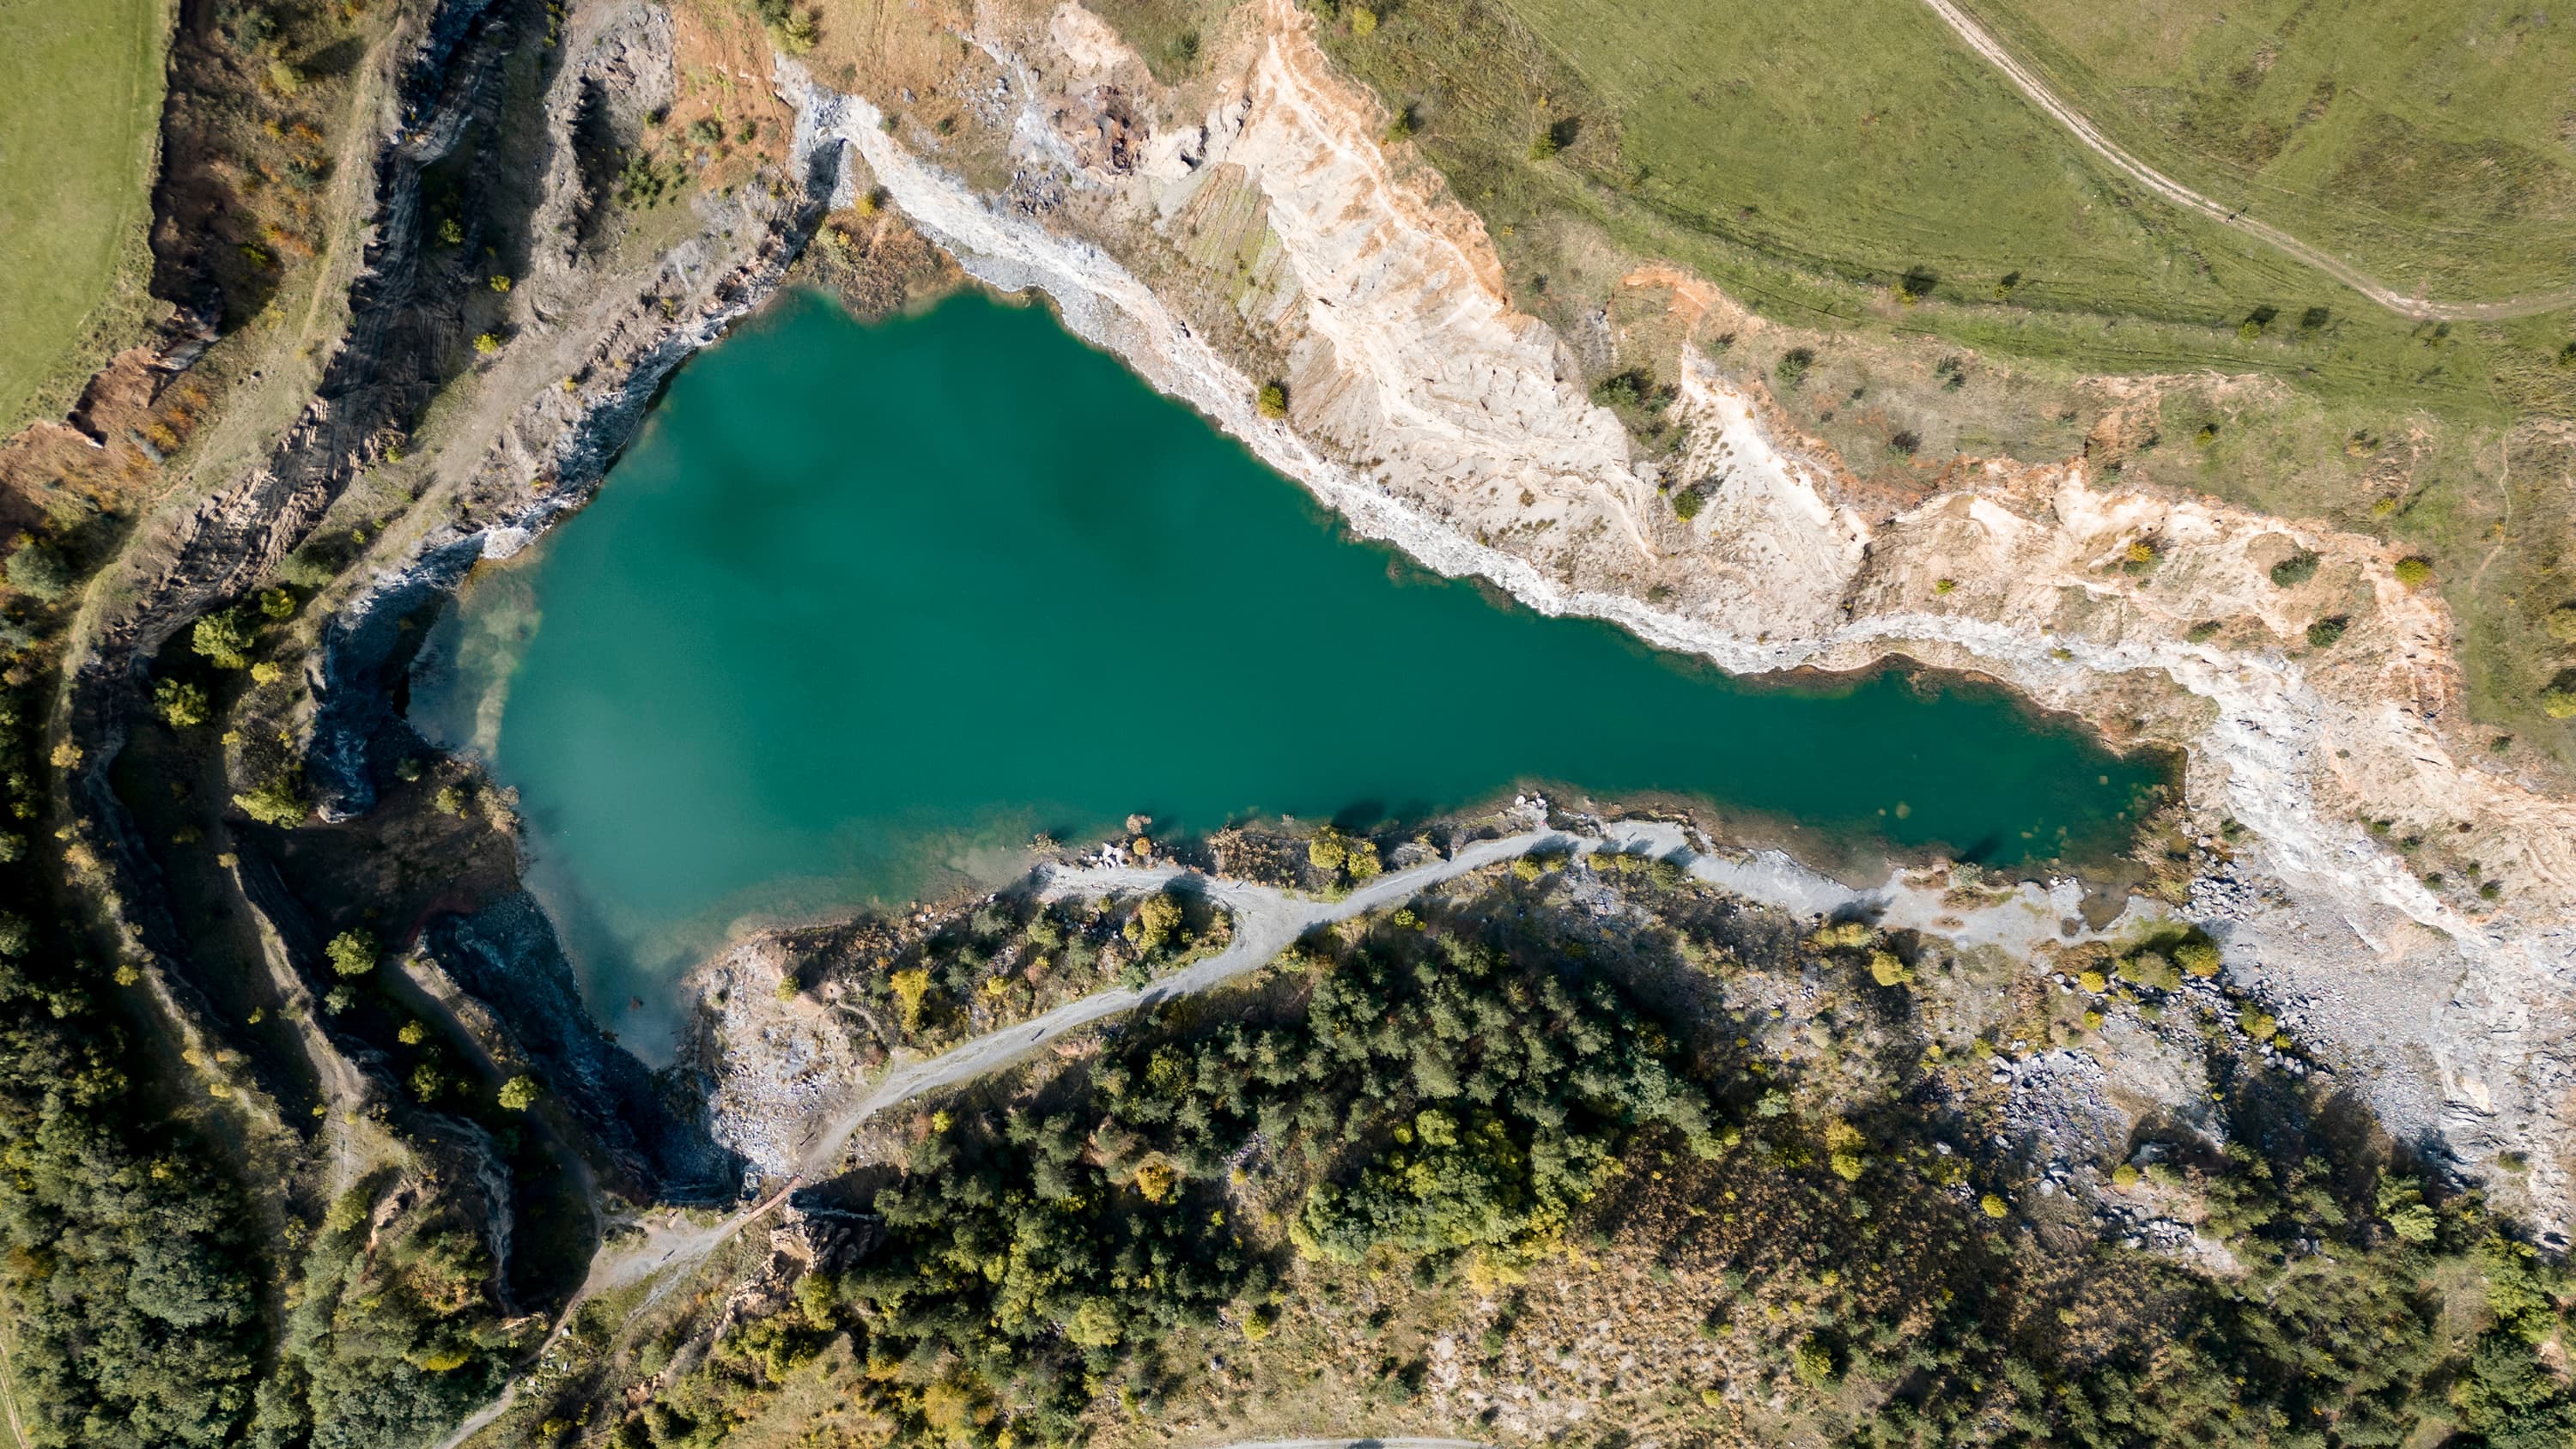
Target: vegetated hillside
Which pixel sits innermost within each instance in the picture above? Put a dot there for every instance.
(2429, 144)
(80, 105)
(1533, 1161)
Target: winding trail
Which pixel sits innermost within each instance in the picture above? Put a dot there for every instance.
(1984, 44)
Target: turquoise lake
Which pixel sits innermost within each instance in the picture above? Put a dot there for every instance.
(867, 606)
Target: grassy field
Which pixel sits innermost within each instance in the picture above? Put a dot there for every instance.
(80, 111)
(2434, 144)
(1809, 158)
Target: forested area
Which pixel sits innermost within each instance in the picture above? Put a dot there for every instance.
(130, 1292)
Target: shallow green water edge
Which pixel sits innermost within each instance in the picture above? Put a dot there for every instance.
(867, 607)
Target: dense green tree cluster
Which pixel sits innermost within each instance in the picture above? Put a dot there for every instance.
(392, 1337)
(126, 1279)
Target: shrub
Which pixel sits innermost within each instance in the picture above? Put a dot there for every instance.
(181, 705)
(1887, 969)
(15, 936)
(304, 569)
(428, 1083)
(2140, 551)
(1401, 127)
(1544, 145)
(2561, 623)
(1328, 849)
(1993, 1206)
(1687, 503)
(1905, 443)
(519, 1093)
(285, 78)
(2558, 700)
(276, 604)
(2197, 958)
(1915, 285)
(450, 800)
(277, 804)
(1363, 21)
(1158, 920)
(1943, 586)
(353, 953)
(911, 987)
(226, 638)
(500, 282)
(2414, 573)
(2202, 632)
(1792, 367)
(1273, 401)
(706, 131)
(38, 572)
(2326, 631)
(2295, 570)
(2150, 969)
(2093, 981)
(1812, 1362)
(2124, 1177)
(13, 847)
(487, 344)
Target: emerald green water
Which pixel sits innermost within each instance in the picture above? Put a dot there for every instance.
(866, 606)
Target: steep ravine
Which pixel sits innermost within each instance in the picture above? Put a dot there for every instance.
(1431, 413)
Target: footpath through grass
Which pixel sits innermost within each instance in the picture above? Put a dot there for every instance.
(80, 109)
(2429, 144)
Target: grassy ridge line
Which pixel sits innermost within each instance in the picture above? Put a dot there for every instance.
(81, 87)
(1985, 45)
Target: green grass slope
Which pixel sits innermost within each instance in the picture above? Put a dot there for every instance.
(80, 109)
(2434, 144)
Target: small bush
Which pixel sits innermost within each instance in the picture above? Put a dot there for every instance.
(1543, 145)
(1905, 443)
(1687, 503)
(519, 1093)
(224, 638)
(278, 804)
(276, 604)
(2558, 700)
(2202, 632)
(1944, 586)
(38, 572)
(1793, 365)
(1993, 1206)
(2152, 970)
(2326, 631)
(2414, 573)
(1812, 1362)
(1363, 21)
(1401, 128)
(1273, 401)
(353, 953)
(2295, 570)
(181, 705)
(707, 131)
(2197, 958)
(487, 344)
(2561, 624)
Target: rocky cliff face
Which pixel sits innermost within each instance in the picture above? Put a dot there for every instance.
(1431, 412)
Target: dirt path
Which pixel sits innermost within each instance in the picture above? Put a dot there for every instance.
(2174, 191)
